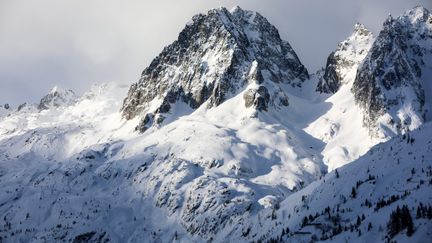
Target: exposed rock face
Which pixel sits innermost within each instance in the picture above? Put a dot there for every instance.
(258, 98)
(57, 98)
(348, 55)
(390, 84)
(214, 57)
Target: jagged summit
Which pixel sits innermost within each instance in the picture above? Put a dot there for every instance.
(418, 14)
(215, 57)
(361, 29)
(236, 8)
(57, 97)
(393, 83)
(345, 59)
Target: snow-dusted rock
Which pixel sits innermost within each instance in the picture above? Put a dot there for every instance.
(393, 83)
(345, 59)
(215, 57)
(57, 97)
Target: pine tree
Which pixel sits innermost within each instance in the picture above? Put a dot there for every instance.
(407, 220)
(419, 212)
(394, 224)
(399, 220)
(305, 221)
(358, 221)
(353, 193)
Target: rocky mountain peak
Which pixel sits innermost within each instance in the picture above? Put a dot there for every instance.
(417, 15)
(215, 57)
(343, 62)
(390, 84)
(57, 97)
(360, 29)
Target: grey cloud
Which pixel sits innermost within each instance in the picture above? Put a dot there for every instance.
(76, 43)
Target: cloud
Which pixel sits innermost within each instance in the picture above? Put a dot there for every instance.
(77, 43)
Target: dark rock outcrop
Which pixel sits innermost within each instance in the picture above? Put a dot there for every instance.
(258, 98)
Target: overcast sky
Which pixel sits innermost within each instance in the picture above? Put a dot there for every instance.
(76, 43)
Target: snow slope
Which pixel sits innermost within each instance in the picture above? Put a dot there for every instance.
(395, 173)
(343, 119)
(158, 186)
(213, 164)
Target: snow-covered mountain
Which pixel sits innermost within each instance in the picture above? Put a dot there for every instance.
(57, 97)
(393, 84)
(216, 56)
(225, 137)
(343, 62)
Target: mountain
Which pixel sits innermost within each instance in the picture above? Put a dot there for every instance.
(57, 97)
(345, 60)
(216, 56)
(226, 137)
(204, 161)
(393, 83)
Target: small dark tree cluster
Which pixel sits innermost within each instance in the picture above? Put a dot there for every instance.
(358, 183)
(382, 202)
(400, 219)
(424, 211)
(367, 203)
(369, 226)
(409, 139)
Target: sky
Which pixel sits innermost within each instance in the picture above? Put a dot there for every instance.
(76, 43)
